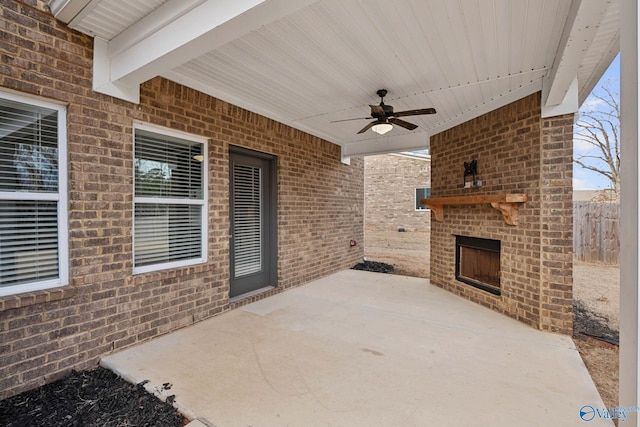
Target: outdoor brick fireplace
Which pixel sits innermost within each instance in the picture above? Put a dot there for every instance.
(478, 263)
(524, 159)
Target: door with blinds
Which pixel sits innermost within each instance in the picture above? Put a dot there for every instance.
(253, 225)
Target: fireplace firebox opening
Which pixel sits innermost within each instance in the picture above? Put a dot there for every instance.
(478, 263)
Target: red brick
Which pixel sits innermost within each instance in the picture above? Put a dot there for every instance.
(515, 156)
(100, 151)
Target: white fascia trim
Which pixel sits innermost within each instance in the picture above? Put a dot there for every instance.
(412, 156)
(580, 30)
(66, 10)
(102, 75)
(150, 24)
(569, 105)
(343, 158)
(605, 61)
(386, 144)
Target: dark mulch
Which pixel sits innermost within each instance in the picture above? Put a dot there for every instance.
(89, 398)
(376, 267)
(591, 324)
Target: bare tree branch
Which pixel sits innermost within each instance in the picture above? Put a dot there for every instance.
(599, 127)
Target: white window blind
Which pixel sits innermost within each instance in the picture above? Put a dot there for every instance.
(247, 226)
(422, 193)
(33, 210)
(169, 212)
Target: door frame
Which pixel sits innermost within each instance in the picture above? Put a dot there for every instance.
(271, 205)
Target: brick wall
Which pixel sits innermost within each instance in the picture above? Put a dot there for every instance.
(556, 216)
(390, 183)
(106, 308)
(517, 152)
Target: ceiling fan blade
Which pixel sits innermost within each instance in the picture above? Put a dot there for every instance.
(377, 110)
(415, 112)
(347, 120)
(367, 127)
(402, 123)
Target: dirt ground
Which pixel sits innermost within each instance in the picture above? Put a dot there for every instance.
(596, 301)
(407, 251)
(596, 293)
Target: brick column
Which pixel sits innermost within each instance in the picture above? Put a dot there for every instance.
(556, 223)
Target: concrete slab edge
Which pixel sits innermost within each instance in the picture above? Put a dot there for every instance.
(200, 423)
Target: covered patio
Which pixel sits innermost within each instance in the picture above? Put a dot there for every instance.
(285, 83)
(362, 348)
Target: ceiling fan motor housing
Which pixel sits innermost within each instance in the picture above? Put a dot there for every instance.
(382, 93)
(384, 115)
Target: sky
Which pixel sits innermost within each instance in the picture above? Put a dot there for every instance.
(584, 179)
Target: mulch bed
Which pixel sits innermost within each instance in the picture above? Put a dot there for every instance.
(593, 325)
(376, 267)
(89, 398)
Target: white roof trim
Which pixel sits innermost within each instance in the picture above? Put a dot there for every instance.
(385, 145)
(161, 42)
(569, 105)
(66, 10)
(583, 22)
(150, 24)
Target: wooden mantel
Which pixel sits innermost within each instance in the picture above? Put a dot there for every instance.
(506, 203)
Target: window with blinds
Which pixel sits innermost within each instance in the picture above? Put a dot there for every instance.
(169, 202)
(33, 213)
(422, 193)
(247, 220)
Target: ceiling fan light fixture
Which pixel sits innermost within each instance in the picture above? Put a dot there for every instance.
(382, 128)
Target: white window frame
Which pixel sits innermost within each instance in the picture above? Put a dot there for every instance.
(60, 197)
(163, 131)
(415, 199)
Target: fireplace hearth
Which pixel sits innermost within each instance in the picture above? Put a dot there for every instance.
(478, 263)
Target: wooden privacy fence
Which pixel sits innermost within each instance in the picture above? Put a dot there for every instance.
(596, 236)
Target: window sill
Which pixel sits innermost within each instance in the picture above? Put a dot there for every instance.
(11, 302)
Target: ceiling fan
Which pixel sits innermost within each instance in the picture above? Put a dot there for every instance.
(385, 117)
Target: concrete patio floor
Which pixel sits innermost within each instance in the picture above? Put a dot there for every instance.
(366, 349)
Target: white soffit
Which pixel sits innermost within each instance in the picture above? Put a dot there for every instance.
(603, 50)
(560, 89)
(309, 63)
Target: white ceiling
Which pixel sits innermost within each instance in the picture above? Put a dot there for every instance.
(308, 63)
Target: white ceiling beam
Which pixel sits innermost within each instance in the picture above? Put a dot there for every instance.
(150, 24)
(569, 105)
(579, 32)
(175, 34)
(386, 144)
(66, 10)
(102, 78)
